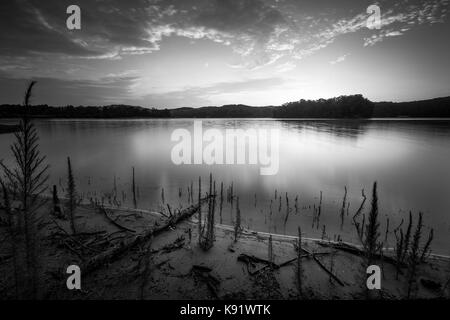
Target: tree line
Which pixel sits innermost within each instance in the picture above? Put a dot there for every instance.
(112, 111)
(350, 106)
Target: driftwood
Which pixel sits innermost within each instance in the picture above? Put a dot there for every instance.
(177, 244)
(71, 237)
(117, 251)
(355, 250)
(301, 256)
(131, 215)
(105, 213)
(82, 234)
(68, 246)
(332, 275)
(251, 260)
(201, 268)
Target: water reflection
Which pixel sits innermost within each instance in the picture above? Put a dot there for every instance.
(409, 159)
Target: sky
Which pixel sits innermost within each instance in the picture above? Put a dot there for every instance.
(192, 53)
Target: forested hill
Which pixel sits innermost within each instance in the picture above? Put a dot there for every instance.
(438, 107)
(112, 111)
(354, 106)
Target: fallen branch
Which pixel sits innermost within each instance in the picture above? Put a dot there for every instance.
(94, 233)
(246, 258)
(105, 213)
(332, 275)
(251, 260)
(72, 238)
(131, 215)
(302, 256)
(68, 246)
(201, 268)
(117, 251)
(177, 244)
(114, 233)
(354, 250)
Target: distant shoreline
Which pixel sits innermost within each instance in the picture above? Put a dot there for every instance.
(235, 118)
(343, 107)
(6, 128)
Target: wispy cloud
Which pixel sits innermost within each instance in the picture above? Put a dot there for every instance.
(286, 67)
(110, 89)
(259, 31)
(339, 59)
(256, 38)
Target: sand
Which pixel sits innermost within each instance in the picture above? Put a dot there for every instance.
(171, 265)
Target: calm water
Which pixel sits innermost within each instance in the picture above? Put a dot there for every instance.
(409, 159)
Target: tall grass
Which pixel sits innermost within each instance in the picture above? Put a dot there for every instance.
(71, 196)
(344, 201)
(369, 233)
(409, 253)
(28, 179)
(237, 223)
(12, 230)
(299, 264)
(270, 254)
(133, 190)
(200, 232)
(371, 244)
(414, 258)
(426, 249)
(207, 236)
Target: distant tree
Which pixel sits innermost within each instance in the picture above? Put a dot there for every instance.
(354, 106)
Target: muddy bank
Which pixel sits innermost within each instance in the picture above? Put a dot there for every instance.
(123, 257)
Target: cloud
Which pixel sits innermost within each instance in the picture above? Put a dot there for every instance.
(111, 89)
(339, 59)
(395, 24)
(25, 29)
(261, 35)
(285, 67)
(370, 41)
(260, 32)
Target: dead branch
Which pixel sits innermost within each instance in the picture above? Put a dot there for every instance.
(332, 275)
(72, 238)
(117, 251)
(356, 251)
(105, 213)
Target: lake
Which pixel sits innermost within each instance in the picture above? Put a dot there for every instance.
(408, 158)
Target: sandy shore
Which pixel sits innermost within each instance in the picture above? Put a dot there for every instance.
(171, 265)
